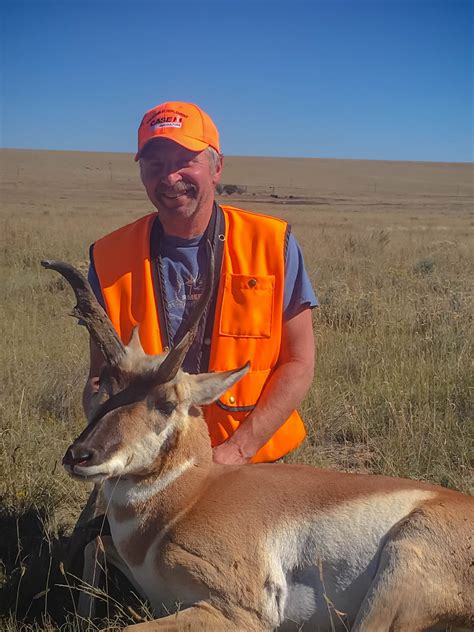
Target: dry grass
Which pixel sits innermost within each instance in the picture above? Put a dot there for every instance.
(388, 247)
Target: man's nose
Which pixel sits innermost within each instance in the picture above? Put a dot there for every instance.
(171, 178)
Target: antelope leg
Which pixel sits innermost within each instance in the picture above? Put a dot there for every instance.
(203, 617)
(91, 577)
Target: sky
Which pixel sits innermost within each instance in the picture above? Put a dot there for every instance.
(379, 79)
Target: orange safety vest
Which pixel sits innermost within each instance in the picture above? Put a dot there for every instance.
(248, 315)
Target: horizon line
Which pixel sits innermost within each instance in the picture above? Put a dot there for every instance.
(131, 153)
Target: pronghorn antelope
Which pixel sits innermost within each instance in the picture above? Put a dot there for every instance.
(257, 547)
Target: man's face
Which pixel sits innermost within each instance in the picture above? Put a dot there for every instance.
(179, 182)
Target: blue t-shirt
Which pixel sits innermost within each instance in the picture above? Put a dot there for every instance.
(183, 261)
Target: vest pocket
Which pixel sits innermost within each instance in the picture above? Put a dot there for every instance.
(247, 306)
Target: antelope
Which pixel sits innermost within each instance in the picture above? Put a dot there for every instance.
(256, 547)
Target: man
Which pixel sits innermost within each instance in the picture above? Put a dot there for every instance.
(150, 273)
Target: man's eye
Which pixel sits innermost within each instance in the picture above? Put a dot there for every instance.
(151, 165)
(165, 408)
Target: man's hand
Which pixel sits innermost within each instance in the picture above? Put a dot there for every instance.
(229, 453)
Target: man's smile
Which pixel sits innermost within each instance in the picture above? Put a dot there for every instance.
(175, 193)
(173, 196)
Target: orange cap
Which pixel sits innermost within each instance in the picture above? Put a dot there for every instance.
(185, 123)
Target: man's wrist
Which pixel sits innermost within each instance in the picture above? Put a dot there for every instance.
(244, 440)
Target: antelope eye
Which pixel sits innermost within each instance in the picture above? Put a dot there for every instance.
(165, 408)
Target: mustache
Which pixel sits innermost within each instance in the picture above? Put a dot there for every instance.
(177, 189)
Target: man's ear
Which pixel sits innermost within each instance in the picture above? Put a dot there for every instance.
(216, 178)
(207, 387)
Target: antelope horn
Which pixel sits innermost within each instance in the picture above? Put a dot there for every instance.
(175, 358)
(90, 312)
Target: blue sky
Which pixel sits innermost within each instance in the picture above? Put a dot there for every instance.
(357, 79)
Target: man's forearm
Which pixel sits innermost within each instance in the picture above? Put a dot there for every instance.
(282, 394)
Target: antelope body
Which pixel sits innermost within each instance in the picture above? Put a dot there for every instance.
(260, 547)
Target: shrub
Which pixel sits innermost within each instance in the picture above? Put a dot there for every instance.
(229, 189)
(424, 266)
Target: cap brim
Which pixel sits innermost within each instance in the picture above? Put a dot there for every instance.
(181, 139)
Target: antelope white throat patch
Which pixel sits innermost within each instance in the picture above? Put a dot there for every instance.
(140, 494)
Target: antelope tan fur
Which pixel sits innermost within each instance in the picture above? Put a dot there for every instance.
(259, 547)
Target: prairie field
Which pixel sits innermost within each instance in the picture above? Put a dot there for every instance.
(389, 248)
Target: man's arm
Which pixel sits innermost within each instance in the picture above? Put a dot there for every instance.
(92, 384)
(283, 392)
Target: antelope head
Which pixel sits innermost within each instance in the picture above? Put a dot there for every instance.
(145, 403)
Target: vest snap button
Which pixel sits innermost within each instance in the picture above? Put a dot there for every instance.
(232, 399)
(252, 282)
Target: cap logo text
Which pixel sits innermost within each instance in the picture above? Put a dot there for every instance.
(166, 121)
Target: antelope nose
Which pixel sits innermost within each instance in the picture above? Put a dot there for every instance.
(77, 454)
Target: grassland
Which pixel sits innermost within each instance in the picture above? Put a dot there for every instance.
(389, 248)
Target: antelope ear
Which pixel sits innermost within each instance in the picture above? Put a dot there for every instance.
(207, 387)
(134, 344)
